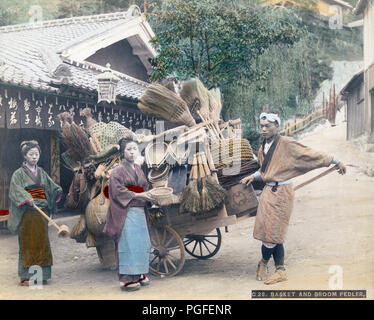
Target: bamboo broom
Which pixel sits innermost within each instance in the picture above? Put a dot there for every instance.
(216, 191)
(191, 201)
(161, 102)
(207, 201)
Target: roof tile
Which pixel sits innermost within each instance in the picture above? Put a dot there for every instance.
(22, 61)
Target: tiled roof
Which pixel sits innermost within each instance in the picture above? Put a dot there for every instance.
(29, 54)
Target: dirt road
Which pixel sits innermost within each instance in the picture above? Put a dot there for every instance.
(332, 225)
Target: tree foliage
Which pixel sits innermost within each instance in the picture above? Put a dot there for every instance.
(214, 42)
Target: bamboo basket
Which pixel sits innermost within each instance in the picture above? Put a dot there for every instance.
(156, 154)
(228, 152)
(161, 193)
(159, 177)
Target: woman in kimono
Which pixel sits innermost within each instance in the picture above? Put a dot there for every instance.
(31, 185)
(126, 221)
(281, 159)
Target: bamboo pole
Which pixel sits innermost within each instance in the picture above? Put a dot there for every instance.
(316, 177)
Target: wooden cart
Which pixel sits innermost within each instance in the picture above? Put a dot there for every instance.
(173, 234)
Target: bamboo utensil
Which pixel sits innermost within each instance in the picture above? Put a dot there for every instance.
(215, 190)
(316, 177)
(191, 201)
(63, 231)
(159, 101)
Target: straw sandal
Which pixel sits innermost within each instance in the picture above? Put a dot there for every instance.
(262, 271)
(24, 283)
(278, 276)
(130, 286)
(144, 280)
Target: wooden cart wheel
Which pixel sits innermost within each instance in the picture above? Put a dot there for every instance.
(203, 246)
(167, 255)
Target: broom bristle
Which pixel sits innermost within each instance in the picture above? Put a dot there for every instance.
(216, 191)
(196, 95)
(161, 102)
(78, 232)
(82, 142)
(207, 203)
(191, 198)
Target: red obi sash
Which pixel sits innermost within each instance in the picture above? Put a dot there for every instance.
(131, 187)
(136, 189)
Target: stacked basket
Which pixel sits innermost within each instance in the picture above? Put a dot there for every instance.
(231, 152)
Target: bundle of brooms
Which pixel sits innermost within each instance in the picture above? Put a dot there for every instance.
(74, 138)
(196, 95)
(160, 102)
(199, 98)
(190, 201)
(203, 193)
(212, 194)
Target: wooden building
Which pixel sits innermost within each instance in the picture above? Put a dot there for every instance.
(52, 66)
(353, 94)
(365, 8)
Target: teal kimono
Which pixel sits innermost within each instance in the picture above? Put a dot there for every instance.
(32, 228)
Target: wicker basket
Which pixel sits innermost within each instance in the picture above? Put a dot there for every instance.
(109, 133)
(159, 177)
(223, 154)
(161, 193)
(156, 154)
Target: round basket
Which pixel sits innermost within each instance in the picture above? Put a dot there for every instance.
(96, 213)
(159, 177)
(161, 193)
(155, 154)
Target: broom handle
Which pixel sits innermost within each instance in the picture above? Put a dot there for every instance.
(93, 145)
(209, 126)
(211, 163)
(316, 177)
(97, 142)
(48, 218)
(193, 172)
(201, 168)
(205, 164)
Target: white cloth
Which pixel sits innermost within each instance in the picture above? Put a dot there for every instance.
(269, 245)
(271, 117)
(267, 146)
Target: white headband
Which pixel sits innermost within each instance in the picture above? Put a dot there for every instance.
(272, 117)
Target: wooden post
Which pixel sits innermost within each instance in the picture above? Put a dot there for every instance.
(55, 157)
(323, 105)
(334, 104)
(330, 106)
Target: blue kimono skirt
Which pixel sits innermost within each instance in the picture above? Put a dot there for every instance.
(134, 245)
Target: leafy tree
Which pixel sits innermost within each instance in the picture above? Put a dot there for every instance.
(214, 42)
